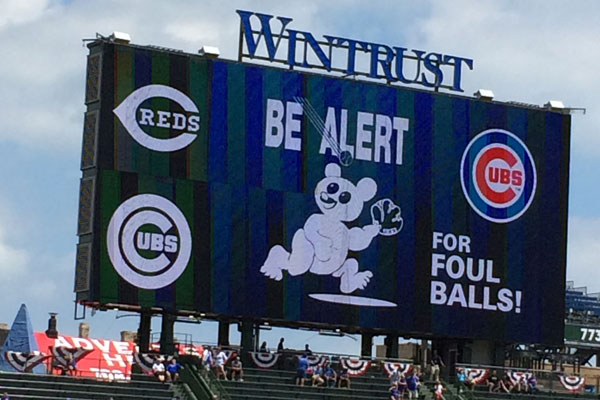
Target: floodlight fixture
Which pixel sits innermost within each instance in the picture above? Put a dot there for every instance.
(209, 51)
(555, 105)
(484, 94)
(120, 37)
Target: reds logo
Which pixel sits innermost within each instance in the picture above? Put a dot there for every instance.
(498, 175)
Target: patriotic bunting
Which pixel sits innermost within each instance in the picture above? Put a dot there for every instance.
(145, 360)
(24, 362)
(264, 360)
(313, 361)
(355, 367)
(61, 354)
(572, 383)
(390, 367)
(516, 377)
(476, 375)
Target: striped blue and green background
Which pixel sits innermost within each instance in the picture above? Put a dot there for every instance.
(241, 198)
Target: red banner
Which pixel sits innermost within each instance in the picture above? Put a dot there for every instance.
(104, 359)
(97, 358)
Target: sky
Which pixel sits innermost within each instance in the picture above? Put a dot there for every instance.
(530, 52)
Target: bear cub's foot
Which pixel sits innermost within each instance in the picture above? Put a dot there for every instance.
(276, 261)
(350, 278)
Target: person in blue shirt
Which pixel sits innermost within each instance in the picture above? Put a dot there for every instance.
(413, 383)
(395, 377)
(301, 371)
(173, 370)
(394, 392)
(317, 378)
(402, 385)
(330, 375)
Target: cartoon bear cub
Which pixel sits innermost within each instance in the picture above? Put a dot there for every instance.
(321, 247)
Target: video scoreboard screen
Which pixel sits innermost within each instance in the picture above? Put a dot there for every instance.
(248, 191)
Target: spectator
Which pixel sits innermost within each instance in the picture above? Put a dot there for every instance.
(330, 375)
(158, 369)
(71, 367)
(307, 350)
(301, 370)
(173, 370)
(317, 378)
(394, 392)
(532, 384)
(5, 396)
(436, 364)
(280, 347)
(439, 390)
(395, 377)
(412, 384)
(521, 385)
(207, 358)
(402, 385)
(221, 359)
(236, 369)
(344, 378)
(506, 384)
(463, 380)
(493, 383)
(263, 347)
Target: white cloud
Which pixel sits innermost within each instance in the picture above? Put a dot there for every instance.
(525, 51)
(13, 261)
(583, 250)
(16, 12)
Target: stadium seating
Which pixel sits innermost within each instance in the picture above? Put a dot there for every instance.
(483, 394)
(51, 387)
(274, 384)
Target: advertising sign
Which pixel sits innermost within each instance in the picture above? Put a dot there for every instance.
(582, 334)
(243, 190)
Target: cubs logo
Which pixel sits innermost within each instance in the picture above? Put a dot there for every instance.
(149, 241)
(498, 176)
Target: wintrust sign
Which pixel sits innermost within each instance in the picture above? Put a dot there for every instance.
(188, 123)
(346, 56)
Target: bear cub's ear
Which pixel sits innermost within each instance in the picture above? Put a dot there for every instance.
(366, 189)
(333, 170)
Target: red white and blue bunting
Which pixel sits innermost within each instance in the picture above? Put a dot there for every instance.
(61, 354)
(24, 362)
(390, 367)
(146, 360)
(313, 361)
(355, 367)
(572, 383)
(264, 360)
(516, 377)
(476, 375)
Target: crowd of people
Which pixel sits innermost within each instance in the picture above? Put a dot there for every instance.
(402, 384)
(323, 374)
(520, 383)
(217, 359)
(524, 383)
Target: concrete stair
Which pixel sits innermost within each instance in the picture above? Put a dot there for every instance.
(53, 387)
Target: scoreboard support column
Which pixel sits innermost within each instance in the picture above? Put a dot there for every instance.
(366, 344)
(143, 333)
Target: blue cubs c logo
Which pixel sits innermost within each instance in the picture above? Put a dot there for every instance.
(498, 176)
